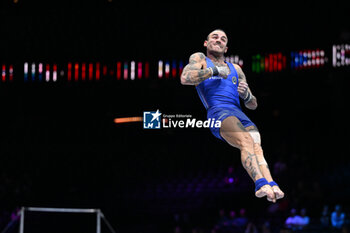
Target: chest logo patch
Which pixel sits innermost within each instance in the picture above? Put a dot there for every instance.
(234, 80)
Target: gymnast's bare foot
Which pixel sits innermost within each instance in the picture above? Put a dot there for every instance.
(267, 191)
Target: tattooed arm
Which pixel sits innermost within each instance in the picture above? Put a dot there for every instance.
(244, 92)
(195, 71)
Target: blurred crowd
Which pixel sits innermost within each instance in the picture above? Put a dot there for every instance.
(238, 221)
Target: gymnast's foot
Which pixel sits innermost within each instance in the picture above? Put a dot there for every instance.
(267, 191)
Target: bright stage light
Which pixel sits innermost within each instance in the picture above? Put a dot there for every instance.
(127, 120)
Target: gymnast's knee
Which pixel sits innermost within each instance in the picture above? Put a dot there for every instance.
(258, 149)
(245, 142)
(256, 136)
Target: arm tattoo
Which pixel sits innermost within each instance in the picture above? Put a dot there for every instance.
(197, 76)
(241, 75)
(193, 73)
(201, 55)
(242, 78)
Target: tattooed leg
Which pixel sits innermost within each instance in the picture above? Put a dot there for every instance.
(264, 167)
(266, 171)
(236, 135)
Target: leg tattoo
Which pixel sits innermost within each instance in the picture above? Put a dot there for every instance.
(251, 166)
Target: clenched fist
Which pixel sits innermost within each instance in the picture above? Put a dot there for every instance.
(243, 90)
(222, 71)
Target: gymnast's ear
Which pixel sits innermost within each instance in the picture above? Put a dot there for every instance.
(205, 43)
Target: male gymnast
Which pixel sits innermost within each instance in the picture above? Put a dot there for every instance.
(220, 86)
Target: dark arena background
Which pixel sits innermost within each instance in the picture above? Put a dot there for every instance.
(73, 72)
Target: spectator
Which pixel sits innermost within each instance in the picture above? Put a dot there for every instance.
(305, 219)
(177, 229)
(232, 220)
(223, 219)
(266, 228)
(242, 220)
(251, 228)
(325, 218)
(294, 221)
(337, 218)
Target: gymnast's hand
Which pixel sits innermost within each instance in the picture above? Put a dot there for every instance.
(243, 90)
(224, 71)
(221, 71)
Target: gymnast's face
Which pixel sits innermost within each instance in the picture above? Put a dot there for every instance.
(216, 42)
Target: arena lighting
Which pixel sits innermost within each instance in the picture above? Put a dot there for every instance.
(139, 70)
(76, 71)
(308, 59)
(173, 69)
(132, 70)
(271, 62)
(25, 70)
(160, 69)
(234, 59)
(147, 70)
(167, 69)
(340, 55)
(98, 72)
(257, 63)
(181, 66)
(47, 73)
(69, 71)
(104, 70)
(125, 70)
(127, 120)
(11, 72)
(111, 73)
(119, 70)
(91, 70)
(61, 73)
(83, 71)
(3, 73)
(6, 76)
(40, 70)
(54, 73)
(33, 71)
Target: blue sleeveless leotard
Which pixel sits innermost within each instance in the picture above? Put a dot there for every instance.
(221, 99)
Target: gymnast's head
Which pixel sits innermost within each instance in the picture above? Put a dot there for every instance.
(216, 42)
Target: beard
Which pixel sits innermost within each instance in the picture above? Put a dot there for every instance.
(216, 49)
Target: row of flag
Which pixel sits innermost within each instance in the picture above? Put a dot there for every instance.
(133, 70)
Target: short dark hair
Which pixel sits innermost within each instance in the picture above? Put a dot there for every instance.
(217, 29)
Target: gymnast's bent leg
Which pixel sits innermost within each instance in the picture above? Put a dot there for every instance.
(236, 135)
(264, 168)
